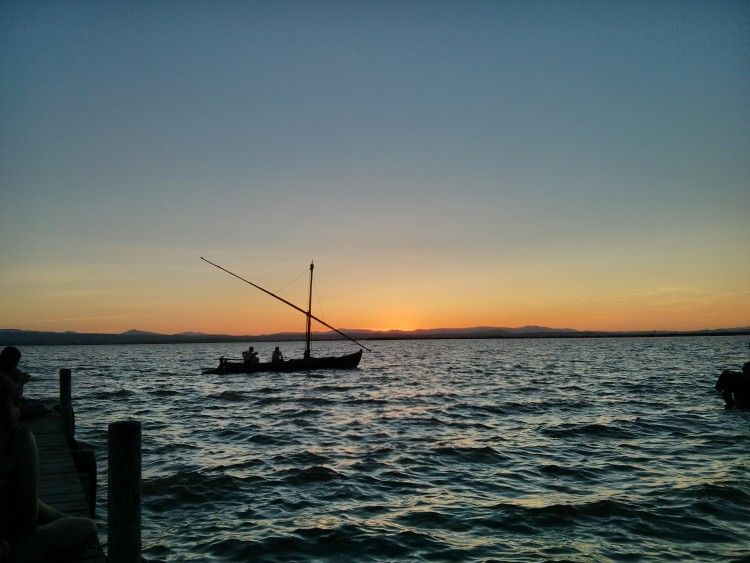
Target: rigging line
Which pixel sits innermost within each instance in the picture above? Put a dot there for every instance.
(317, 296)
(300, 309)
(291, 282)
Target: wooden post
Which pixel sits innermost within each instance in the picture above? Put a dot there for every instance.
(124, 496)
(67, 417)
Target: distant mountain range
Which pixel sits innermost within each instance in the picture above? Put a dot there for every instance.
(14, 337)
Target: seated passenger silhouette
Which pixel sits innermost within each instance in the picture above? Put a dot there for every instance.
(250, 356)
(277, 357)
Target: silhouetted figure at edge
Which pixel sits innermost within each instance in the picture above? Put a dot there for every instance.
(9, 359)
(735, 387)
(277, 357)
(250, 356)
(30, 531)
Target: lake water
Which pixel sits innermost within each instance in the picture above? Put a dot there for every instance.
(518, 450)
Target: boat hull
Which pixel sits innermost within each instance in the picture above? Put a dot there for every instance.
(349, 361)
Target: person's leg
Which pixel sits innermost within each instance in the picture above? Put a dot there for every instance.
(56, 541)
(47, 514)
(31, 409)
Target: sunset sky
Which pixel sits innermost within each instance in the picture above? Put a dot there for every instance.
(445, 164)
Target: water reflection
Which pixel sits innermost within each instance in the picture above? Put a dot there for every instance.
(526, 449)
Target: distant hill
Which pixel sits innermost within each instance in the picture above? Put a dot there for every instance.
(14, 337)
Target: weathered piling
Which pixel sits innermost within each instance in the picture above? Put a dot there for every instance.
(67, 416)
(124, 496)
(85, 462)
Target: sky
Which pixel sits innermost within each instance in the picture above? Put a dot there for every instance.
(445, 164)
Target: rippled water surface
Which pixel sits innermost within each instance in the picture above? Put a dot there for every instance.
(562, 449)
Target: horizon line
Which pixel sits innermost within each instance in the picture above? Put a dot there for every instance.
(538, 328)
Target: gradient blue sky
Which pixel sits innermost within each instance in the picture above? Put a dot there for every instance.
(578, 164)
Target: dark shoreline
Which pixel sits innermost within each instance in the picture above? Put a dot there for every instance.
(32, 338)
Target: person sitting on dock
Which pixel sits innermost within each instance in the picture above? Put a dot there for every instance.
(277, 357)
(33, 530)
(250, 356)
(9, 359)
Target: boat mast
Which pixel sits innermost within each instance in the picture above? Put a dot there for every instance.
(309, 311)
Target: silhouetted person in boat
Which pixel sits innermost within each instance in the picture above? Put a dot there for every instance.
(250, 356)
(29, 529)
(277, 357)
(9, 358)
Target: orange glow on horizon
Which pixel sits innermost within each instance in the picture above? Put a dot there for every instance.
(565, 292)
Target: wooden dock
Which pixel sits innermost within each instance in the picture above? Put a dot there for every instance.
(67, 476)
(60, 485)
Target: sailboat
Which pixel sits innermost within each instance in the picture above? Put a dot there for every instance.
(307, 362)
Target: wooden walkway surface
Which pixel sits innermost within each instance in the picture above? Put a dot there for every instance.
(59, 485)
